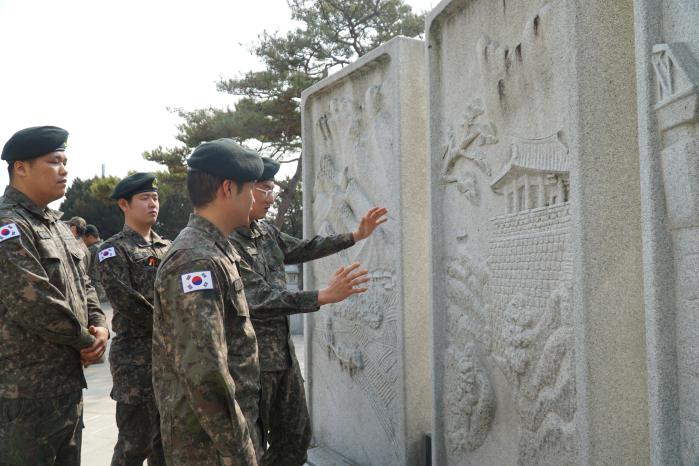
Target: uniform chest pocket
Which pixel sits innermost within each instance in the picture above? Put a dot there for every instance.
(77, 255)
(146, 262)
(78, 258)
(237, 299)
(50, 260)
(48, 253)
(140, 257)
(276, 261)
(239, 330)
(143, 272)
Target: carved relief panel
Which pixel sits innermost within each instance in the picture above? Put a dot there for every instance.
(501, 235)
(354, 159)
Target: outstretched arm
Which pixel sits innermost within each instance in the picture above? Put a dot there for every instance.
(297, 251)
(266, 300)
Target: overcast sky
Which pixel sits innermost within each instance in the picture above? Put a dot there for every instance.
(108, 71)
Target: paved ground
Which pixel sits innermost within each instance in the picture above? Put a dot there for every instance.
(100, 431)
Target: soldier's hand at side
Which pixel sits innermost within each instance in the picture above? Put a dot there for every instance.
(92, 354)
(369, 223)
(344, 283)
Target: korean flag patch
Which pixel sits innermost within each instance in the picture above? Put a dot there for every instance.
(196, 281)
(107, 253)
(8, 231)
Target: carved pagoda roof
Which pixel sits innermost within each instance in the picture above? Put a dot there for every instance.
(547, 155)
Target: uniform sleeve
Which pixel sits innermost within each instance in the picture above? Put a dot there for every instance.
(30, 299)
(265, 300)
(297, 251)
(95, 314)
(92, 270)
(116, 281)
(200, 358)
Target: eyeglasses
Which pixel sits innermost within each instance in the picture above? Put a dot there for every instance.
(269, 193)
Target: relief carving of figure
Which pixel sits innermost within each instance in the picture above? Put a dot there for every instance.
(467, 139)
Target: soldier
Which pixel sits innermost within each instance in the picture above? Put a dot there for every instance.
(205, 363)
(50, 320)
(77, 226)
(265, 250)
(94, 242)
(128, 262)
(205, 367)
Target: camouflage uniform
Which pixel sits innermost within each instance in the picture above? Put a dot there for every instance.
(47, 306)
(93, 270)
(265, 250)
(128, 264)
(205, 366)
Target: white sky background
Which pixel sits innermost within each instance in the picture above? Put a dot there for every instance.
(108, 71)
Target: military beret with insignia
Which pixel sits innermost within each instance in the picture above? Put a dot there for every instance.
(271, 167)
(30, 143)
(228, 160)
(135, 184)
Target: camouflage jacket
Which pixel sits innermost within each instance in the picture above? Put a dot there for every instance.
(127, 267)
(205, 365)
(47, 302)
(264, 250)
(93, 270)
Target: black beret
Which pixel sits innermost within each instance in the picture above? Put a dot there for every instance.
(135, 184)
(91, 230)
(270, 170)
(226, 159)
(30, 143)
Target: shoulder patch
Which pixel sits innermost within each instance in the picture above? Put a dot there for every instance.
(107, 253)
(195, 281)
(9, 231)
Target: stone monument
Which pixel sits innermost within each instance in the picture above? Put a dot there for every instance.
(667, 63)
(537, 292)
(367, 359)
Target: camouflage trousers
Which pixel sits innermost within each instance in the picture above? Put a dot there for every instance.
(285, 420)
(41, 431)
(185, 448)
(139, 435)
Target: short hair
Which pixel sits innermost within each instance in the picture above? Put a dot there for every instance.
(202, 187)
(11, 166)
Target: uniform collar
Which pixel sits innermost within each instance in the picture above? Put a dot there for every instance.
(213, 233)
(256, 229)
(140, 240)
(15, 196)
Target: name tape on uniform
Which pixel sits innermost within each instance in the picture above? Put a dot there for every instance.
(107, 253)
(8, 231)
(196, 281)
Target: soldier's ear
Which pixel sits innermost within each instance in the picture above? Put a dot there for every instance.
(21, 168)
(123, 204)
(232, 188)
